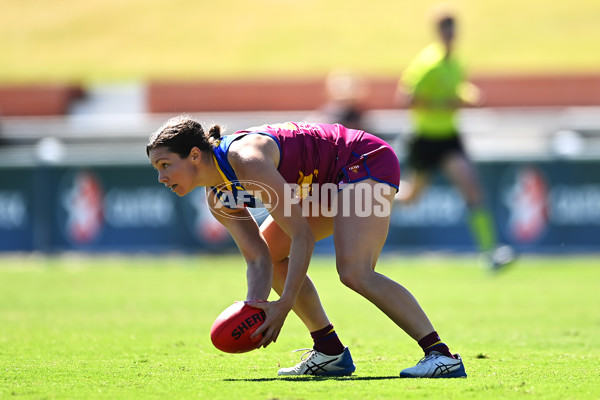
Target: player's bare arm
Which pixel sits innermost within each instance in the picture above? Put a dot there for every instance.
(255, 158)
(246, 234)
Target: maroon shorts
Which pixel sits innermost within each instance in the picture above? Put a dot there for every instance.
(373, 159)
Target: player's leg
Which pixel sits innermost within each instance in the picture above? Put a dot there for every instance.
(358, 243)
(412, 188)
(462, 173)
(308, 305)
(359, 237)
(329, 356)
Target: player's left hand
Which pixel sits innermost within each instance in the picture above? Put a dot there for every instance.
(276, 313)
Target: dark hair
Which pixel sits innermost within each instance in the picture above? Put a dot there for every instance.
(180, 134)
(443, 16)
(446, 22)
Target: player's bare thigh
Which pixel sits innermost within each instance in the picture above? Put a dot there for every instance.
(279, 242)
(359, 235)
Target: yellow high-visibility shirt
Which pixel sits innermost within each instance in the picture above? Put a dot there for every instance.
(430, 76)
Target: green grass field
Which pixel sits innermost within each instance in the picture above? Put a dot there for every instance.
(124, 40)
(116, 327)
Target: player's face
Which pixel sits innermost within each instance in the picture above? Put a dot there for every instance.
(174, 172)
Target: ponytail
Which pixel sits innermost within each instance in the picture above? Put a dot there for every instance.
(214, 134)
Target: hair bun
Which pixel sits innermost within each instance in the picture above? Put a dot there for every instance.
(214, 132)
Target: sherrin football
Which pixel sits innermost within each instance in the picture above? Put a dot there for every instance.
(232, 329)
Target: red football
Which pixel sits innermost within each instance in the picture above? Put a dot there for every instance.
(232, 329)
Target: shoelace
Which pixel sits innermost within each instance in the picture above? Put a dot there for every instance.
(306, 356)
(308, 353)
(430, 356)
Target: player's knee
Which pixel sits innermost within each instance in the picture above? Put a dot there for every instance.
(354, 279)
(348, 280)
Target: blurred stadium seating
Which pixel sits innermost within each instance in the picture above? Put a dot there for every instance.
(543, 131)
(521, 117)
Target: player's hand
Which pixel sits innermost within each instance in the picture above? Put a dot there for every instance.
(276, 312)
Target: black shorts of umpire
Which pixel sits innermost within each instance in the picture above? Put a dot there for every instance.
(425, 154)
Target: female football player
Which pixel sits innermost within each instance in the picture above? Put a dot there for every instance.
(315, 180)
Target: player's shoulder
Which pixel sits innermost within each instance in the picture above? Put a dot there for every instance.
(251, 149)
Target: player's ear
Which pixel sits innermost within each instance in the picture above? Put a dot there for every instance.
(195, 154)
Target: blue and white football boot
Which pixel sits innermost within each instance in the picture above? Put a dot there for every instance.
(436, 365)
(316, 363)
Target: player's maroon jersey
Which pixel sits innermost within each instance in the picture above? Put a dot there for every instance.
(312, 153)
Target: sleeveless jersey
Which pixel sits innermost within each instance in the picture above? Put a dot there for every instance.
(309, 153)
